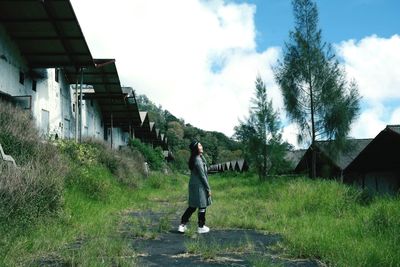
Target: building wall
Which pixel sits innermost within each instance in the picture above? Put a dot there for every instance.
(92, 123)
(51, 100)
(11, 64)
(383, 182)
(119, 138)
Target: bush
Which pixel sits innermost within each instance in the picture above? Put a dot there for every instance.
(130, 168)
(35, 187)
(29, 192)
(127, 166)
(154, 157)
(18, 134)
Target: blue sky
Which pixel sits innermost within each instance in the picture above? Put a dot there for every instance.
(199, 58)
(339, 19)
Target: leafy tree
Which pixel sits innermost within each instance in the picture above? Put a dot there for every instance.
(181, 159)
(175, 134)
(225, 155)
(316, 94)
(169, 117)
(260, 131)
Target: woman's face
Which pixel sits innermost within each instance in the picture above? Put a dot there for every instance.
(200, 148)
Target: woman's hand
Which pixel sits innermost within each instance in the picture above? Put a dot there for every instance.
(209, 193)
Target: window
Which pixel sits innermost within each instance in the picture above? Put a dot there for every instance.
(21, 77)
(34, 85)
(56, 74)
(73, 107)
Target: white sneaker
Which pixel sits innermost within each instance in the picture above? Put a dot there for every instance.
(182, 228)
(203, 230)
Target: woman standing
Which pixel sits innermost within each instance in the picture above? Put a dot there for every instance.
(199, 189)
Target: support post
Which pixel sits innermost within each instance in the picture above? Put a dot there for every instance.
(80, 108)
(130, 131)
(76, 109)
(111, 130)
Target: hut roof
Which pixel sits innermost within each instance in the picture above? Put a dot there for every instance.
(294, 156)
(394, 128)
(341, 159)
(381, 153)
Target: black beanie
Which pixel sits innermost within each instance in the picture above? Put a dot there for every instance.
(193, 145)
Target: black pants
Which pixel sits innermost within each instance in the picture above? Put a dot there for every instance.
(201, 216)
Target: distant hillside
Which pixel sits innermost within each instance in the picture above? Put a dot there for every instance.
(218, 147)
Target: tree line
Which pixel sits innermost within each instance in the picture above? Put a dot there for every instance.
(219, 147)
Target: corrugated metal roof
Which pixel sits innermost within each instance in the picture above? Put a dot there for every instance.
(47, 33)
(113, 100)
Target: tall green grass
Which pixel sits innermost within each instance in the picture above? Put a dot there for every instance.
(35, 187)
(85, 232)
(60, 195)
(319, 219)
(92, 229)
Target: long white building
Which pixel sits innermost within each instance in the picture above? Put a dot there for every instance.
(44, 59)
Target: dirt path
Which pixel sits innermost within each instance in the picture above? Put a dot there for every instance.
(154, 237)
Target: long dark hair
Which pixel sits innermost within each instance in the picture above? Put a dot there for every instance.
(194, 149)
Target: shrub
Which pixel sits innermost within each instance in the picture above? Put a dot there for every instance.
(154, 157)
(35, 187)
(18, 134)
(130, 167)
(127, 166)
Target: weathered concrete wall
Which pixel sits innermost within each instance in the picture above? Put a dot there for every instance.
(119, 138)
(92, 124)
(11, 64)
(52, 100)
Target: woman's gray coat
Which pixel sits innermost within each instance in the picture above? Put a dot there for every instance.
(198, 184)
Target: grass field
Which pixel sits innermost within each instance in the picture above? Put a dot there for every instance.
(318, 219)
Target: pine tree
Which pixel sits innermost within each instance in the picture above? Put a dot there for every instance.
(259, 130)
(316, 94)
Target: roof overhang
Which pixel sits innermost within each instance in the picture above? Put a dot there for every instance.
(47, 33)
(118, 106)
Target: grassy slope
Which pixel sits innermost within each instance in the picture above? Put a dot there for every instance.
(319, 219)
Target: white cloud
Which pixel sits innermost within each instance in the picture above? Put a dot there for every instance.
(374, 63)
(195, 58)
(198, 60)
(369, 124)
(289, 134)
(395, 117)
